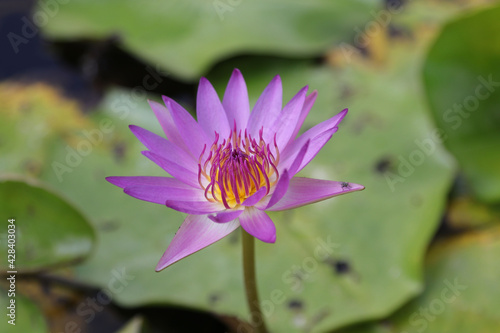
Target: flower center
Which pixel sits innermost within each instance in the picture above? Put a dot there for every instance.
(237, 168)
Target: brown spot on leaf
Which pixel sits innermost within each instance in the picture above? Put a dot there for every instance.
(295, 304)
(383, 165)
(119, 150)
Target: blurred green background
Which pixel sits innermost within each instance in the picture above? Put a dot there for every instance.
(416, 251)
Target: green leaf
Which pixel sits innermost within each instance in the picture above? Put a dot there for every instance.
(465, 212)
(461, 293)
(462, 80)
(32, 118)
(187, 37)
(28, 317)
(48, 230)
(134, 325)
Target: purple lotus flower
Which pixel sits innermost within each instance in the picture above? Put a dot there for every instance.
(232, 165)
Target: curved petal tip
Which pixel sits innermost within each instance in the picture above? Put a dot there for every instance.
(195, 233)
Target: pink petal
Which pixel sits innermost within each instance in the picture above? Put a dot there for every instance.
(210, 113)
(308, 103)
(235, 101)
(305, 191)
(318, 137)
(258, 224)
(256, 197)
(292, 151)
(167, 124)
(195, 233)
(315, 146)
(160, 194)
(280, 189)
(267, 108)
(192, 133)
(285, 123)
(299, 158)
(325, 125)
(226, 216)
(318, 129)
(146, 181)
(282, 185)
(174, 169)
(195, 207)
(164, 148)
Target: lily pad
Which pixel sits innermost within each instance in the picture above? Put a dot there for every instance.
(47, 229)
(27, 316)
(462, 82)
(465, 212)
(187, 37)
(461, 293)
(134, 325)
(32, 117)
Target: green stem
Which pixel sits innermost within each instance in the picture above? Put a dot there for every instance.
(250, 283)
